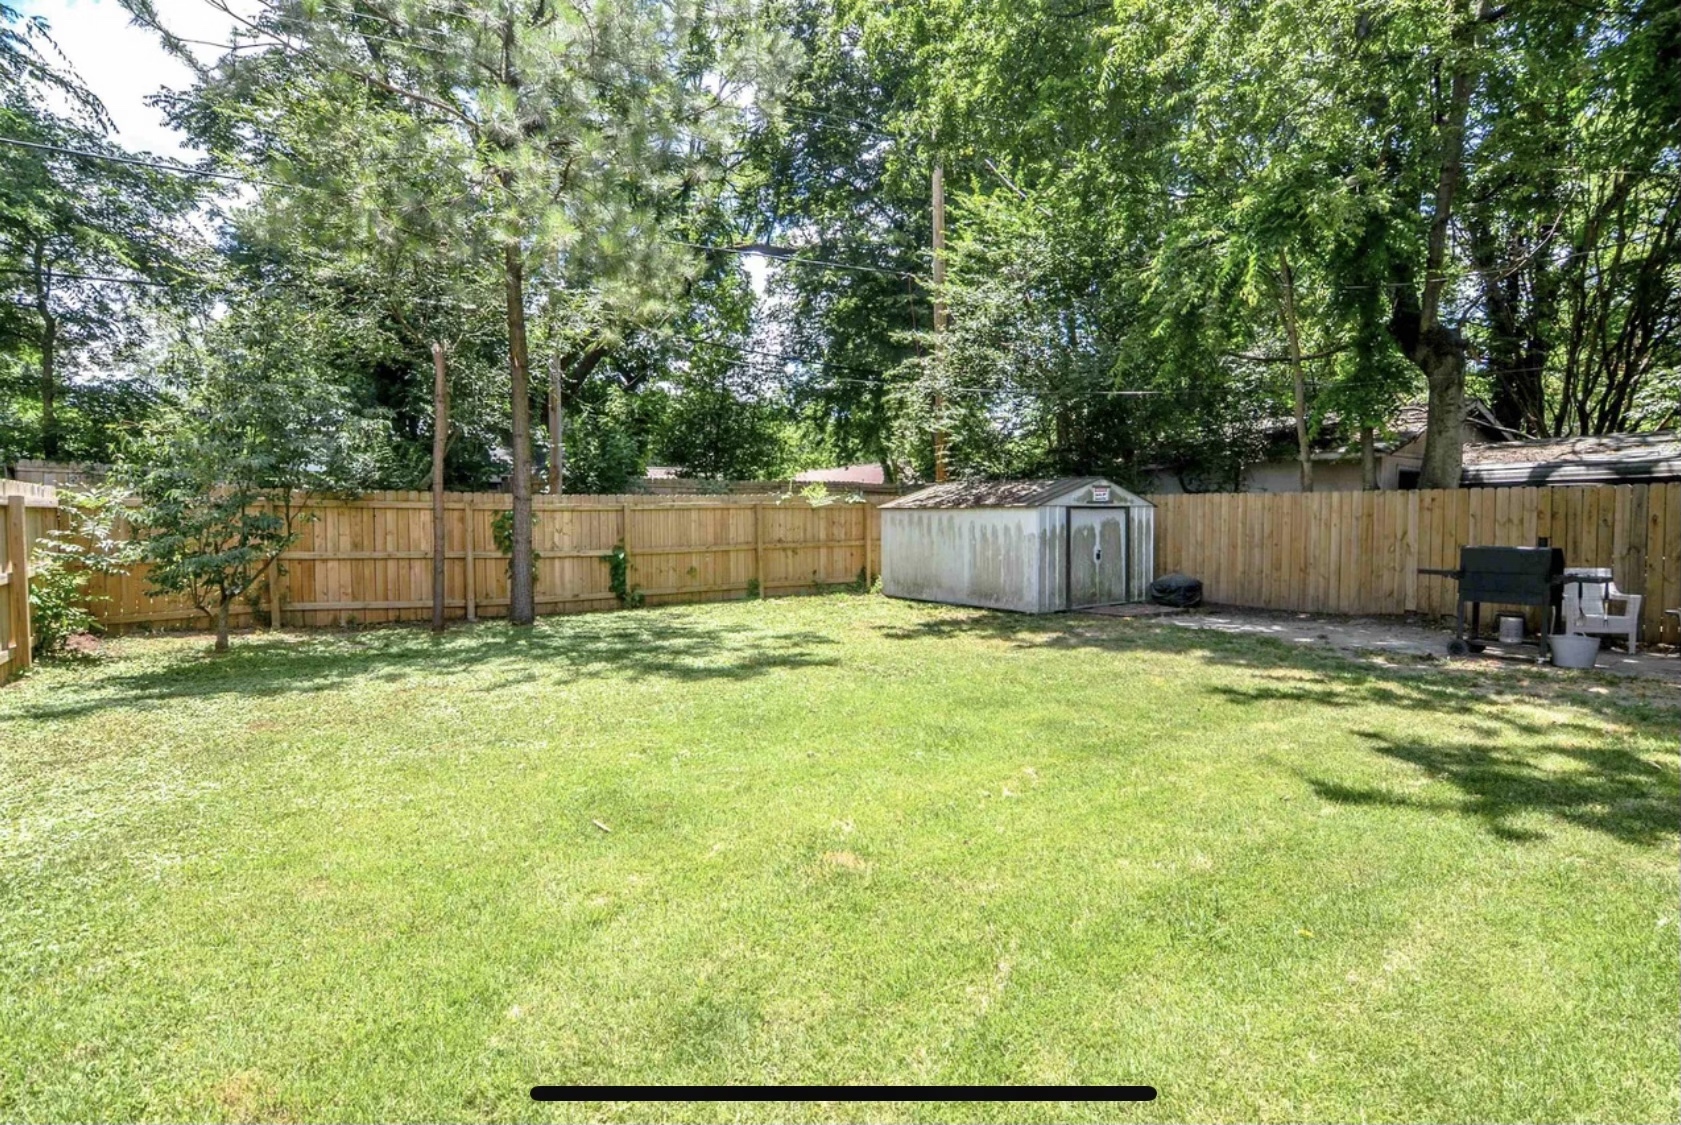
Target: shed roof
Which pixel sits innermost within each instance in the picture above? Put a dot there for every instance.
(996, 493)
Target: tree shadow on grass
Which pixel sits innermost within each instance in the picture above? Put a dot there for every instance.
(1609, 790)
(1505, 762)
(634, 647)
(1314, 674)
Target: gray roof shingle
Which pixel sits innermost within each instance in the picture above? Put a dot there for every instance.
(1602, 459)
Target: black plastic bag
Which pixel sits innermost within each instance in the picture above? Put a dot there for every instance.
(1178, 590)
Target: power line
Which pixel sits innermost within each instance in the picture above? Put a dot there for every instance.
(91, 277)
(881, 376)
(779, 254)
(159, 166)
(773, 253)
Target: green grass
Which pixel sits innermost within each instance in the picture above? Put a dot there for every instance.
(357, 875)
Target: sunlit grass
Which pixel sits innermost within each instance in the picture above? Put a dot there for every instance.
(830, 840)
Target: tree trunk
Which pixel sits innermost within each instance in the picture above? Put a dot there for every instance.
(1521, 302)
(1287, 296)
(1368, 458)
(557, 428)
(222, 624)
(939, 185)
(440, 446)
(1442, 356)
(522, 595)
(1438, 350)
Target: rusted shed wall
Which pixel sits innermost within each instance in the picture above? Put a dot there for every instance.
(1053, 560)
(989, 557)
(1141, 552)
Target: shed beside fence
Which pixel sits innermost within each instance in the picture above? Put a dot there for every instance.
(1035, 546)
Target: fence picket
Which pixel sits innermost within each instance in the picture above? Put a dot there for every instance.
(366, 560)
(1350, 552)
(1360, 552)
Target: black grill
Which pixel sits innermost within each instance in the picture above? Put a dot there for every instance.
(1514, 575)
(1508, 576)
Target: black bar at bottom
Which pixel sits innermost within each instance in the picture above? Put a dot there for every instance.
(843, 1093)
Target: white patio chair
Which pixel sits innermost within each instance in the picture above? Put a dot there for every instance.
(1588, 602)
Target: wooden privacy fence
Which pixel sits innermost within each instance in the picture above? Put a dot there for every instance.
(1359, 552)
(370, 560)
(27, 512)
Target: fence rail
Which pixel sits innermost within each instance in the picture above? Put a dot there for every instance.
(1360, 552)
(369, 560)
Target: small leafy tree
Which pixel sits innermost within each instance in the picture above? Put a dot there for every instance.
(65, 560)
(222, 478)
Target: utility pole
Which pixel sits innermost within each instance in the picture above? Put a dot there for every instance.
(440, 447)
(557, 426)
(1287, 297)
(939, 318)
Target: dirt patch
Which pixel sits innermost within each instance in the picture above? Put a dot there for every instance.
(248, 1095)
(317, 887)
(81, 644)
(845, 861)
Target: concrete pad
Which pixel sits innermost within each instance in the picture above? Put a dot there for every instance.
(1406, 638)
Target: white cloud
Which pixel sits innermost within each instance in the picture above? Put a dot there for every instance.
(123, 64)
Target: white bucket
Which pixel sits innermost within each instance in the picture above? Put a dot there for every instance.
(1511, 628)
(1572, 650)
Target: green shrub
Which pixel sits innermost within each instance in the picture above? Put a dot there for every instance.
(58, 604)
(62, 564)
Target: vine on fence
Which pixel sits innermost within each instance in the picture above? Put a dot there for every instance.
(502, 534)
(618, 570)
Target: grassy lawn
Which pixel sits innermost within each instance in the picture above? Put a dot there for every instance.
(359, 875)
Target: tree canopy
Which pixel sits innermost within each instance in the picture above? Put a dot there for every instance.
(1174, 232)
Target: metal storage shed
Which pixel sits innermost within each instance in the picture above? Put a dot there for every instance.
(1035, 546)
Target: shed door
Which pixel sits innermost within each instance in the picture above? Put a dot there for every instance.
(1097, 557)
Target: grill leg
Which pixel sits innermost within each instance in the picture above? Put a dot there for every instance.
(1457, 646)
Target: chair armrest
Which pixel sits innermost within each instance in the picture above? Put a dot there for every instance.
(1631, 602)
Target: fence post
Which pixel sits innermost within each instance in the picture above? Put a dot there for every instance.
(759, 547)
(17, 549)
(867, 575)
(624, 540)
(276, 591)
(467, 578)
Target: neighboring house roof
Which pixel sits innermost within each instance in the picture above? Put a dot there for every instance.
(1605, 459)
(58, 473)
(995, 493)
(1410, 418)
(1332, 443)
(1405, 424)
(869, 472)
(663, 472)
